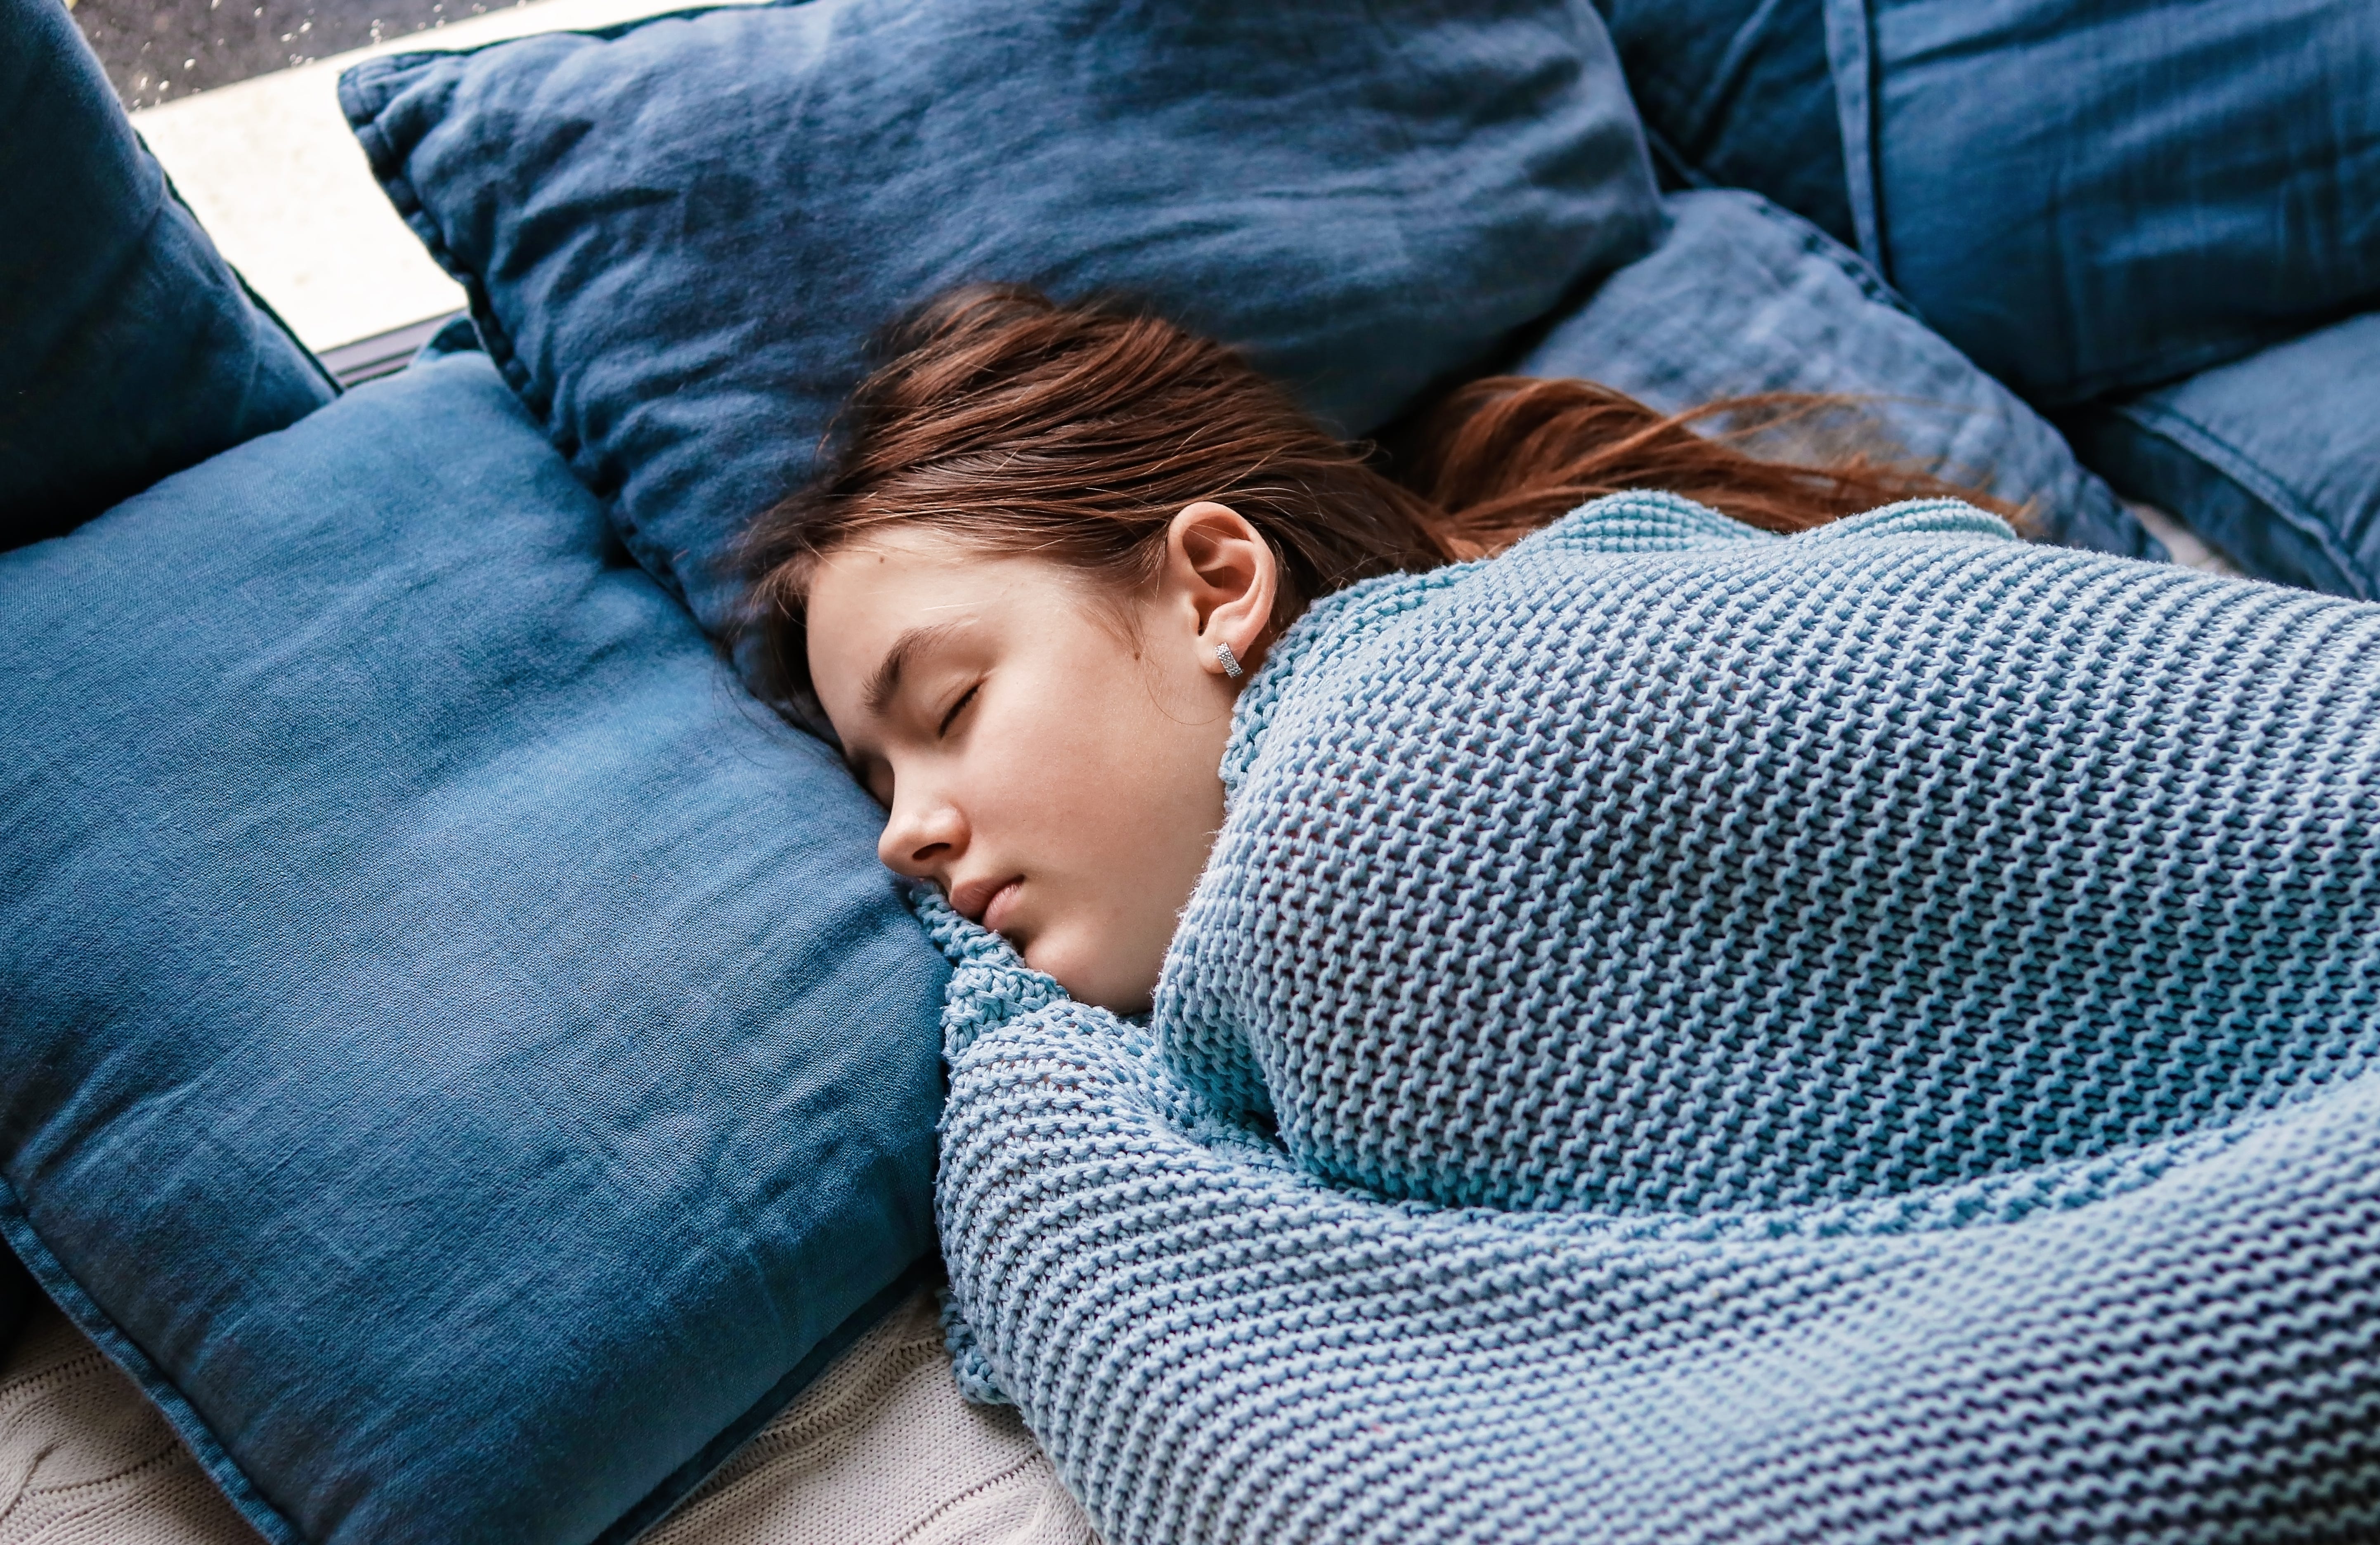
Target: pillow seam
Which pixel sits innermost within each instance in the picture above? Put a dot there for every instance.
(364, 96)
(388, 170)
(196, 1434)
(2242, 471)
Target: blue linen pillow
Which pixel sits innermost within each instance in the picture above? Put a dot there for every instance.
(1743, 298)
(677, 236)
(2091, 198)
(133, 349)
(464, 1057)
(2273, 459)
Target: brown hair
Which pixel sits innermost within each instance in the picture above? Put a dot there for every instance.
(1076, 432)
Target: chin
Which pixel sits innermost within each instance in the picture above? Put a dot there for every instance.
(1078, 970)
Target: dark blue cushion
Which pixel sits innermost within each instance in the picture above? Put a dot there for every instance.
(677, 236)
(2273, 459)
(132, 350)
(1743, 298)
(2095, 195)
(463, 1057)
(1739, 93)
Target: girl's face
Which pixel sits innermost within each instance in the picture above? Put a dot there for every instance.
(1048, 756)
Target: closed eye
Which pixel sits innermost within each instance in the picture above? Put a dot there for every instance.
(951, 717)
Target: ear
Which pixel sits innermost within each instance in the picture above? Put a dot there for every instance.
(1220, 580)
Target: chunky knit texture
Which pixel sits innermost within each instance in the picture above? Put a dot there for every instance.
(1688, 1035)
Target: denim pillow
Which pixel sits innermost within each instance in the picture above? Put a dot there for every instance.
(2084, 198)
(463, 1057)
(679, 236)
(1743, 298)
(2090, 197)
(2273, 459)
(132, 349)
(1738, 93)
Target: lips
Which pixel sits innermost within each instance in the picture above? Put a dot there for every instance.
(986, 901)
(999, 911)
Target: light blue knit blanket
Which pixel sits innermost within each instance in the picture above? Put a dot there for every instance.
(1692, 1036)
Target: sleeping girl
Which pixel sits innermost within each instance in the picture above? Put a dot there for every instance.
(1685, 997)
(1059, 541)
(1490, 759)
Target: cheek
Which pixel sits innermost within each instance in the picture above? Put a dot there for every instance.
(1077, 762)
(1085, 774)
(1120, 802)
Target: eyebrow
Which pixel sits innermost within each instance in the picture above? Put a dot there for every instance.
(886, 680)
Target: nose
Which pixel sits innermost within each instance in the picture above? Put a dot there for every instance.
(923, 836)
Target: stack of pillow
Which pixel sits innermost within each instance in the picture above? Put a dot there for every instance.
(2159, 225)
(464, 1059)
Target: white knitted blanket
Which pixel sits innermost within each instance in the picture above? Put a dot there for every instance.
(1688, 1035)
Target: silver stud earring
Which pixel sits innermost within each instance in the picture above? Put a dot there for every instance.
(1230, 664)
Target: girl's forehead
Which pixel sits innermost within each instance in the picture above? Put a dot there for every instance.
(876, 581)
(902, 601)
(886, 581)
